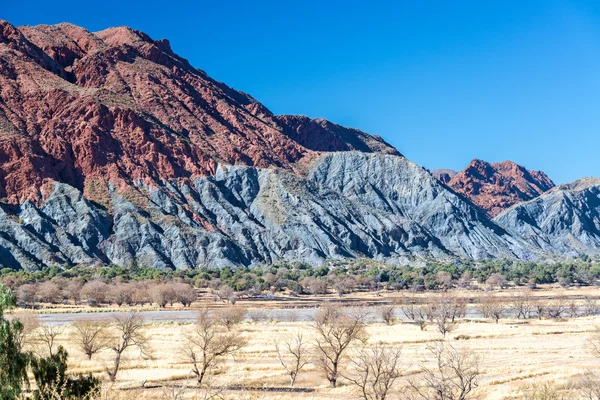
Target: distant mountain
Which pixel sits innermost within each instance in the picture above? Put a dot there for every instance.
(565, 220)
(115, 150)
(498, 186)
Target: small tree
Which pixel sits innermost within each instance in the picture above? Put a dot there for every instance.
(91, 337)
(336, 330)
(208, 344)
(53, 383)
(455, 374)
(231, 316)
(376, 369)
(491, 307)
(185, 293)
(46, 337)
(13, 362)
(95, 292)
(293, 355)
(128, 334)
(386, 313)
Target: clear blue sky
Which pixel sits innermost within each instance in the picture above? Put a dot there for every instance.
(443, 81)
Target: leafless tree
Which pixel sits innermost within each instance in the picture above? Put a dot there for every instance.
(95, 292)
(293, 355)
(185, 293)
(386, 313)
(336, 330)
(48, 292)
(27, 336)
(163, 294)
(442, 315)
(414, 311)
(492, 307)
(26, 294)
(72, 290)
(557, 308)
(590, 306)
(91, 337)
(375, 371)
(226, 293)
(208, 344)
(46, 335)
(121, 293)
(588, 386)
(540, 306)
(129, 333)
(444, 280)
(496, 280)
(455, 374)
(522, 304)
(231, 316)
(314, 285)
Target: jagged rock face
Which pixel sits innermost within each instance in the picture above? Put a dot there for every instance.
(351, 205)
(322, 135)
(115, 106)
(498, 186)
(565, 220)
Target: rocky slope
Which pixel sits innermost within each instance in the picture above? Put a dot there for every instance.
(113, 149)
(443, 174)
(497, 186)
(565, 220)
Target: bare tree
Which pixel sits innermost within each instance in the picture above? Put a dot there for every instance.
(557, 308)
(492, 307)
(386, 313)
(588, 386)
(121, 293)
(226, 294)
(590, 306)
(336, 330)
(376, 369)
(185, 293)
(522, 304)
(46, 336)
(48, 292)
(540, 306)
(208, 344)
(231, 316)
(26, 294)
(27, 336)
(455, 374)
(128, 334)
(496, 280)
(442, 316)
(95, 292)
(293, 355)
(91, 337)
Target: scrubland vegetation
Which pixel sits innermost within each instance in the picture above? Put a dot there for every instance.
(448, 332)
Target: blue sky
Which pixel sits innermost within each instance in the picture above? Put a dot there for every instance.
(443, 81)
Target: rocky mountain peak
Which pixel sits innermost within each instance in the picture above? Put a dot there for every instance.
(495, 187)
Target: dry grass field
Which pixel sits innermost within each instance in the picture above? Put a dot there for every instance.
(516, 355)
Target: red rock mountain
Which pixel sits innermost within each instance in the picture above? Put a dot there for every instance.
(498, 186)
(116, 106)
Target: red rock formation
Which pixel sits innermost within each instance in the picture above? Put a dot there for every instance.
(82, 108)
(498, 186)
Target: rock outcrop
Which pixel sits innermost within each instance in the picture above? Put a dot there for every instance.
(564, 221)
(498, 186)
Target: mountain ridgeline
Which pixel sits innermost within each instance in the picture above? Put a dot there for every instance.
(115, 150)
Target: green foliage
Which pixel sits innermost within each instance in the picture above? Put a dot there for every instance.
(13, 362)
(52, 381)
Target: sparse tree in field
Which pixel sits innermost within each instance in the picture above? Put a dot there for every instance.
(444, 280)
(522, 304)
(121, 293)
(91, 337)
(375, 371)
(492, 307)
(342, 286)
(314, 285)
(496, 280)
(336, 331)
(293, 354)
(72, 290)
(141, 294)
(231, 316)
(208, 344)
(129, 333)
(26, 294)
(48, 292)
(557, 308)
(26, 336)
(386, 313)
(573, 309)
(540, 306)
(95, 292)
(590, 306)
(226, 294)
(454, 376)
(414, 312)
(185, 293)
(46, 336)
(442, 315)
(163, 294)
